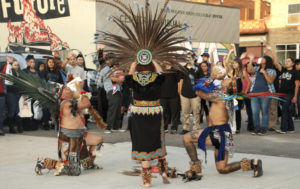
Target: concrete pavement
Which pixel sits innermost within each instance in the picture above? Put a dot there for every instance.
(19, 153)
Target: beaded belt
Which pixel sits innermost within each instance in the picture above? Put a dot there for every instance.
(146, 103)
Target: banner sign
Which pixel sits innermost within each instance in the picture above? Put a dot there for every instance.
(207, 23)
(44, 9)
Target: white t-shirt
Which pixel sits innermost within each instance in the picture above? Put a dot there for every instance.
(76, 71)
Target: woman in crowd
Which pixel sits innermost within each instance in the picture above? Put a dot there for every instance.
(146, 128)
(264, 76)
(52, 71)
(236, 72)
(290, 86)
(247, 101)
(204, 103)
(51, 75)
(12, 99)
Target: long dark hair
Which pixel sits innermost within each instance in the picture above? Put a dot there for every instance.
(239, 61)
(55, 68)
(269, 62)
(150, 67)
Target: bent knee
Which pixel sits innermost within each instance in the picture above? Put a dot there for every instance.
(99, 139)
(187, 139)
(222, 171)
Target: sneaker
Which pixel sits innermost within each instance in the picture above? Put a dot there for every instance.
(291, 132)
(297, 119)
(107, 131)
(122, 130)
(255, 132)
(262, 133)
(166, 131)
(282, 132)
(114, 130)
(183, 132)
(271, 129)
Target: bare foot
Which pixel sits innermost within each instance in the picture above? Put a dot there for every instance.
(146, 185)
(165, 178)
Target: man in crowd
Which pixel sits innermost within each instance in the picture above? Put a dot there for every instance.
(72, 69)
(169, 100)
(112, 87)
(188, 98)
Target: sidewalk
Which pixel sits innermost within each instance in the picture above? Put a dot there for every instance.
(19, 154)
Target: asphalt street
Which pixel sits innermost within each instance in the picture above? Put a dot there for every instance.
(273, 144)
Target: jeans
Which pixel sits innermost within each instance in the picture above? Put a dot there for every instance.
(249, 113)
(2, 105)
(12, 104)
(260, 104)
(287, 123)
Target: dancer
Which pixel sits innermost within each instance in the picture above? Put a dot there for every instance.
(75, 145)
(151, 44)
(218, 133)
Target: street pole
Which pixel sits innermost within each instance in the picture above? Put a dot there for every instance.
(262, 47)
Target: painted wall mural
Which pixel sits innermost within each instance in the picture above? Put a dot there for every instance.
(32, 30)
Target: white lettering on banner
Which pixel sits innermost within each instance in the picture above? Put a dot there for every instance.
(204, 22)
(42, 10)
(5, 5)
(52, 7)
(61, 9)
(18, 7)
(10, 8)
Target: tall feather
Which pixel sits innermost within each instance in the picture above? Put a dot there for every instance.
(34, 88)
(144, 31)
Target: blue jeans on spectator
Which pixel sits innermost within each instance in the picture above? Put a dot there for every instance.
(2, 105)
(260, 104)
(12, 104)
(287, 123)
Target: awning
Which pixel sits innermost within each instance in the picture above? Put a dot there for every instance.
(253, 27)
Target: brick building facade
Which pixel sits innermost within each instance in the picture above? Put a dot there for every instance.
(274, 22)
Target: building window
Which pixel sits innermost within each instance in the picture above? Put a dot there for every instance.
(293, 17)
(287, 50)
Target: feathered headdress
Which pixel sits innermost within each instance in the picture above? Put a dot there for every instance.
(149, 37)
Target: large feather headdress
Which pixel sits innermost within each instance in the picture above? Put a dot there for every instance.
(148, 36)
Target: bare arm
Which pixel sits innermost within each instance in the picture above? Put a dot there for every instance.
(295, 98)
(245, 75)
(117, 80)
(207, 96)
(270, 78)
(226, 63)
(212, 61)
(274, 57)
(157, 67)
(84, 103)
(250, 65)
(64, 64)
(132, 68)
(180, 86)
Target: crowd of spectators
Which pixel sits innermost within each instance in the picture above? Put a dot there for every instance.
(266, 75)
